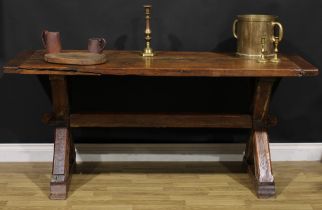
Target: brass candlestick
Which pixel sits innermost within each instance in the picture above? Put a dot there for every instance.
(262, 58)
(276, 42)
(148, 52)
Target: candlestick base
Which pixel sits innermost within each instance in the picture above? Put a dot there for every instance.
(275, 60)
(148, 52)
(262, 60)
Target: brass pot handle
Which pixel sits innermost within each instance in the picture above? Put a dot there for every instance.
(281, 30)
(234, 28)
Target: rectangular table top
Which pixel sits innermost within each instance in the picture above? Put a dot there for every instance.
(165, 63)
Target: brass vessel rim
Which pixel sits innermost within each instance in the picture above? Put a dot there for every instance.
(257, 17)
(252, 55)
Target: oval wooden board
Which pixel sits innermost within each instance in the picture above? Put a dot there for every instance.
(76, 58)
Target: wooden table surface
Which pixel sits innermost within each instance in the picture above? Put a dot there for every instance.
(183, 64)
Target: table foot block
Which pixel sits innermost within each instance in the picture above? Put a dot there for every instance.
(58, 191)
(59, 187)
(265, 190)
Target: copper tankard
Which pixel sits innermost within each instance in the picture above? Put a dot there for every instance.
(96, 45)
(251, 30)
(51, 41)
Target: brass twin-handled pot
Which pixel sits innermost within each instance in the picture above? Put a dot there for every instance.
(255, 34)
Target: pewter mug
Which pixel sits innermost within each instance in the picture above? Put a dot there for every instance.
(51, 41)
(250, 30)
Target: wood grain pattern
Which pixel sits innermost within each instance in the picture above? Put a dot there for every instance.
(160, 186)
(262, 96)
(257, 152)
(310, 70)
(60, 99)
(61, 165)
(14, 63)
(64, 150)
(183, 64)
(75, 58)
(263, 166)
(161, 120)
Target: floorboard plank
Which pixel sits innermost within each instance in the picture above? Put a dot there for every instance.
(154, 185)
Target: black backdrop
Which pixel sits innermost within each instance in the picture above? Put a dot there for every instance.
(196, 25)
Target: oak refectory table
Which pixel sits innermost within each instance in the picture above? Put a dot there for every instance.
(164, 64)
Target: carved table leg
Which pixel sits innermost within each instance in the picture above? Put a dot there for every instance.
(248, 157)
(62, 165)
(262, 164)
(257, 154)
(64, 151)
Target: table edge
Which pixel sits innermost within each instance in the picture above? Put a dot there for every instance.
(13, 66)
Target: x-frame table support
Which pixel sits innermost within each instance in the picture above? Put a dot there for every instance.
(257, 154)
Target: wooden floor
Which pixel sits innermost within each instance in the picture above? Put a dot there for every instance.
(155, 186)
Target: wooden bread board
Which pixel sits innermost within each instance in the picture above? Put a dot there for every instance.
(75, 58)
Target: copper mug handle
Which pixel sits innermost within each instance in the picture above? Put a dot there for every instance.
(102, 43)
(44, 38)
(234, 28)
